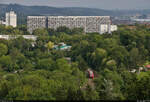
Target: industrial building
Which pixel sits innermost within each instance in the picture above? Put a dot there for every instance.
(90, 24)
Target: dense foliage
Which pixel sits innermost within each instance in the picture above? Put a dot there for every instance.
(40, 72)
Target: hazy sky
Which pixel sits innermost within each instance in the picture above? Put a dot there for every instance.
(105, 4)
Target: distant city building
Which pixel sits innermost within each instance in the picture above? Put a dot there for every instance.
(148, 16)
(141, 20)
(90, 24)
(11, 19)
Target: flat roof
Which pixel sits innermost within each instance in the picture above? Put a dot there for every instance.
(65, 16)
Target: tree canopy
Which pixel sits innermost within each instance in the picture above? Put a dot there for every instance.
(41, 72)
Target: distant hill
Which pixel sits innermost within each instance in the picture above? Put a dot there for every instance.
(45, 10)
(24, 11)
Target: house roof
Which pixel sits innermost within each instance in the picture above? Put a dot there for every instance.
(147, 66)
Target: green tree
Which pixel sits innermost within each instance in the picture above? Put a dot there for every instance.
(40, 32)
(109, 85)
(49, 45)
(128, 89)
(46, 64)
(63, 29)
(111, 64)
(62, 65)
(98, 56)
(51, 32)
(143, 88)
(6, 63)
(120, 55)
(134, 58)
(77, 31)
(3, 49)
(82, 63)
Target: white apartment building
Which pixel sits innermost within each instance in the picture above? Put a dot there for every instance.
(35, 22)
(104, 28)
(68, 21)
(8, 37)
(90, 24)
(113, 28)
(11, 19)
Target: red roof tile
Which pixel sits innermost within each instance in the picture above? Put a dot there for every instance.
(147, 66)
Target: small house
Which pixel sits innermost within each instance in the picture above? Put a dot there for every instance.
(147, 67)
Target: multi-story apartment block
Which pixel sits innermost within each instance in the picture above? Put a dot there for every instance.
(68, 21)
(88, 23)
(113, 28)
(104, 28)
(93, 23)
(35, 22)
(11, 19)
(107, 28)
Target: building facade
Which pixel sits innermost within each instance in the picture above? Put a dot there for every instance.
(90, 24)
(107, 28)
(113, 28)
(8, 37)
(11, 19)
(68, 21)
(35, 22)
(104, 28)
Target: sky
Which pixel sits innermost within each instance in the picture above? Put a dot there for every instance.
(103, 4)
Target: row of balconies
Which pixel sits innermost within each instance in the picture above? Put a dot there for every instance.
(90, 23)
